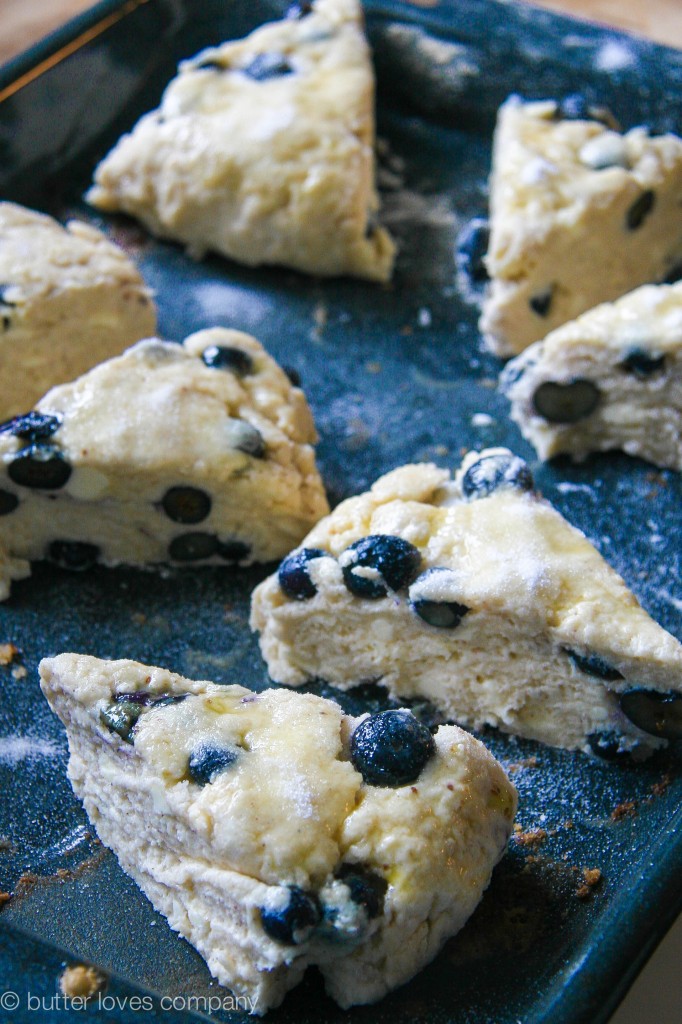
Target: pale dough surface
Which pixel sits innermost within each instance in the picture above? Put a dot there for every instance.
(69, 298)
(290, 810)
(638, 411)
(276, 169)
(561, 192)
(157, 418)
(535, 587)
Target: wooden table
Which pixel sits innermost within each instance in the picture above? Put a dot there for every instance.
(22, 22)
(655, 996)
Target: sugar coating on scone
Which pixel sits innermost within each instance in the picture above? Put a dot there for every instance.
(262, 150)
(579, 214)
(610, 379)
(476, 594)
(200, 453)
(69, 298)
(249, 821)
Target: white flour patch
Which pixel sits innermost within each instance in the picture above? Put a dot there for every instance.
(25, 748)
(614, 55)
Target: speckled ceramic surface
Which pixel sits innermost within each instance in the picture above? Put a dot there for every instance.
(393, 374)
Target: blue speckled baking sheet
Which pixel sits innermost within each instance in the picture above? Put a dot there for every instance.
(393, 374)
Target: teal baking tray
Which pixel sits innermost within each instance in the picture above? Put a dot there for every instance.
(393, 374)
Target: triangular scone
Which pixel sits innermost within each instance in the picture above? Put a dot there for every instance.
(262, 150)
(579, 215)
(274, 831)
(476, 594)
(68, 300)
(610, 379)
(184, 454)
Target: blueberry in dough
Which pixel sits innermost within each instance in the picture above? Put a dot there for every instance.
(268, 65)
(39, 466)
(33, 426)
(206, 763)
(491, 472)
(391, 748)
(566, 403)
(227, 357)
(295, 922)
(8, 502)
(395, 561)
(186, 504)
(659, 714)
(73, 554)
(294, 575)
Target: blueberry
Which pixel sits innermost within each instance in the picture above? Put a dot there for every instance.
(186, 504)
(33, 426)
(8, 502)
(224, 357)
(73, 554)
(295, 922)
(609, 746)
(566, 403)
(206, 763)
(299, 10)
(674, 274)
(121, 716)
(642, 363)
(193, 547)
(576, 108)
(233, 551)
(472, 246)
(542, 302)
(659, 714)
(640, 210)
(491, 472)
(444, 614)
(593, 665)
(268, 65)
(40, 466)
(248, 439)
(391, 748)
(367, 888)
(394, 559)
(293, 575)
(293, 375)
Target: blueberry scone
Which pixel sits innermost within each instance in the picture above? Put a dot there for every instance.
(184, 454)
(275, 832)
(610, 379)
(68, 299)
(477, 595)
(579, 214)
(262, 150)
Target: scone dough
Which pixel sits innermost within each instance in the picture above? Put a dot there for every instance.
(381, 875)
(183, 454)
(610, 379)
(579, 214)
(68, 300)
(262, 150)
(509, 617)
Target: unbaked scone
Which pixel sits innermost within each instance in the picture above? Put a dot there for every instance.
(579, 214)
(610, 379)
(476, 594)
(69, 298)
(262, 150)
(182, 454)
(274, 832)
